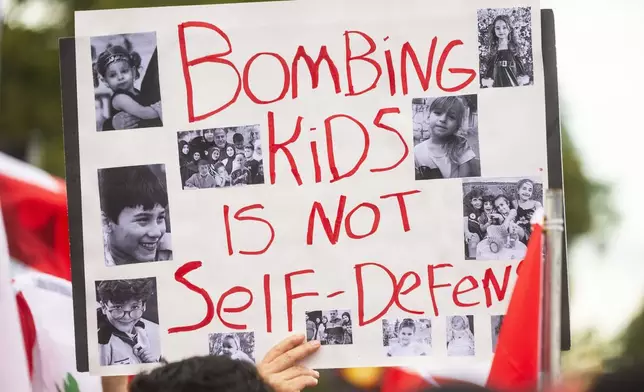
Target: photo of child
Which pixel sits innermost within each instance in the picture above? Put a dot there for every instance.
(497, 321)
(460, 336)
(135, 217)
(497, 215)
(407, 337)
(505, 47)
(128, 322)
(446, 141)
(233, 157)
(239, 346)
(126, 81)
(331, 327)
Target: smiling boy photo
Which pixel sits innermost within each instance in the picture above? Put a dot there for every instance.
(134, 204)
(125, 336)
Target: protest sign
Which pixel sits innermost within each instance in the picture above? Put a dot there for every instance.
(359, 172)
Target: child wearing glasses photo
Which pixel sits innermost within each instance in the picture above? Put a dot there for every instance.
(125, 336)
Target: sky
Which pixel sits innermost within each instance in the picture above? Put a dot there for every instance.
(600, 57)
(600, 68)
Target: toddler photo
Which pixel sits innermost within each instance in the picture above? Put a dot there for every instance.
(239, 346)
(497, 321)
(126, 81)
(460, 336)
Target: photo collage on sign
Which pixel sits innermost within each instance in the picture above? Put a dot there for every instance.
(135, 212)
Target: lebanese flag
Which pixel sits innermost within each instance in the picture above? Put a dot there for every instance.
(515, 365)
(36, 284)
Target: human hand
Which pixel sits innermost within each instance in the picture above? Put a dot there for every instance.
(470, 237)
(279, 369)
(123, 120)
(487, 82)
(114, 383)
(142, 348)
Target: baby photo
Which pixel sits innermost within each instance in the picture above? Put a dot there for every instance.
(496, 329)
(236, 345)
(128, 321)
(497, 215)
(220, 157)
(330, 327)
(460, 336)
(407, 337)
(446, 137)
(505, 47)
(126, 81)
(134, 212)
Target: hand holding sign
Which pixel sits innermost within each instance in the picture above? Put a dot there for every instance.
(279, 369)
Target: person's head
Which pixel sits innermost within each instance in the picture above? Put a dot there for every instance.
(209, 135)
(307, 316)
(317, 320)
(184, 147)
(248, 151)
(333, 314)
(203, 166)
(196, 156)
(324, 320)
(474, 199)
(220, 137)
(123, 301)
(445, 117)
(459, 323)
(214, 154)
(133, 205)
(525, 189)
(201, 374)
(488, 203)
(239, 162)
(230, 151)
(220, 168)
(501, 30)
(346, 317)
(626, 378)
(406, 331)
(230, 345)
(118, 68)
(257, 153)
(502, 204)
(238, 140)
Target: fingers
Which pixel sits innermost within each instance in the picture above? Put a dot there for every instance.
(294, 355)
(297, 371)
(283, 346)
(301, 382)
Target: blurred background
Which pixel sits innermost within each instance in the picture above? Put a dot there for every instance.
(599, 64)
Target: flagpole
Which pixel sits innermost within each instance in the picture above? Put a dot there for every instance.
(551, 313)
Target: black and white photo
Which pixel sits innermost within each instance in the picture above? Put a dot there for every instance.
(128, 321)
(460, 336)
(505, 47)
(497, 321)
(221, 157)
(446, 137)
(239, 346)
(407, 337)
(330, 327)
(135, 216)
(496, 216)
(126, 81)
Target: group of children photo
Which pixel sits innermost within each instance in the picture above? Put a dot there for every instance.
(329, 327)
(221, 157)
(126, 81)
(497, 217)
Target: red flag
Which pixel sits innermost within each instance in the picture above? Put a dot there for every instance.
(516, 362)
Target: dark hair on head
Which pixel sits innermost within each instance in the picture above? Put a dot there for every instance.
(524, 181)
(201, 374)
(130, 186)
(504, 197)
(407, 323)
(475, 192)
(218, 165)
(629, 378)
(208, 130)
(513, 46)
(116, 53)
(121, 291)
(250, 146)
(238, 137)
(346, 314)
(458, 386)
(203, 162)
(181, 144)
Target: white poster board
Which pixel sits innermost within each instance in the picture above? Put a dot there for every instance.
(361, 172)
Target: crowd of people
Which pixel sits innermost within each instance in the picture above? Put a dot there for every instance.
(221, 157)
